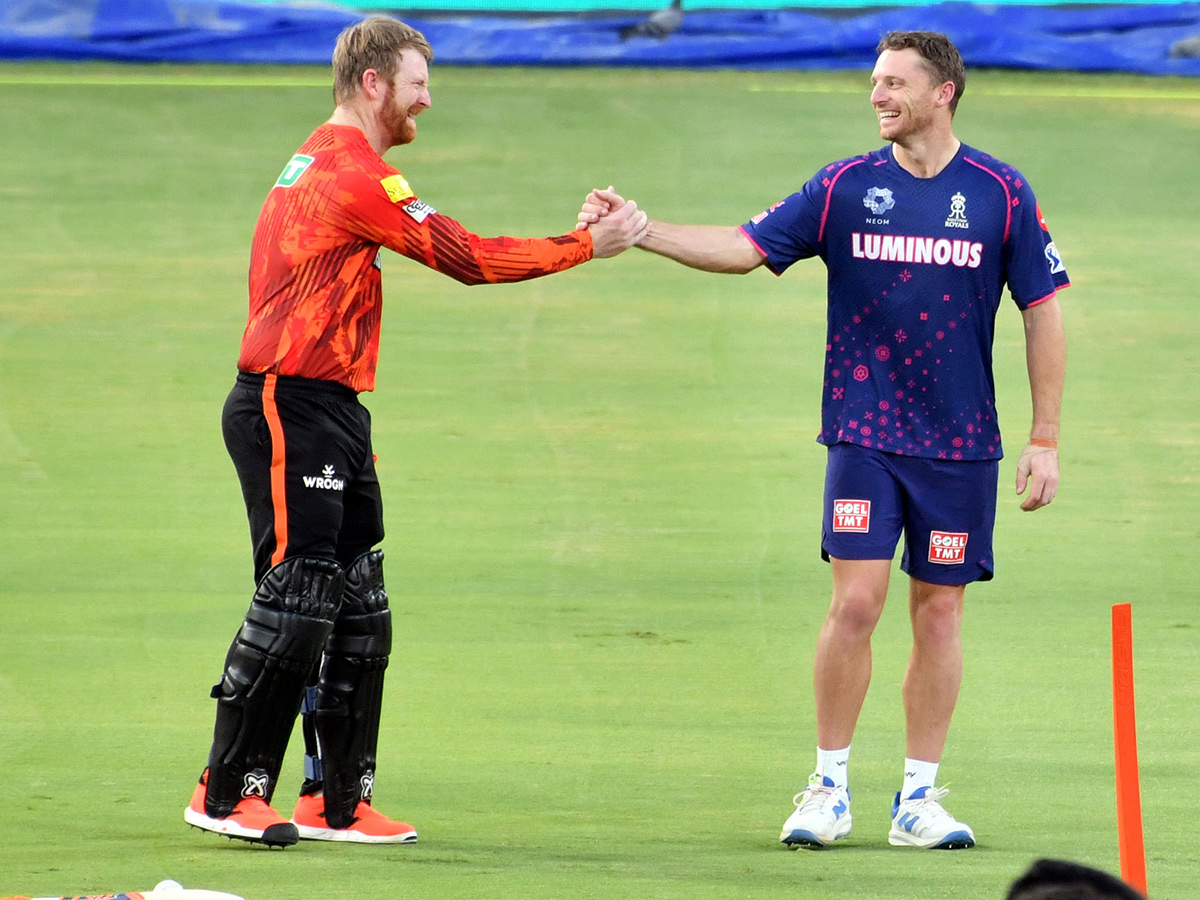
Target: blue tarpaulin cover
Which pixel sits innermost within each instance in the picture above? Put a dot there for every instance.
(1093, 38)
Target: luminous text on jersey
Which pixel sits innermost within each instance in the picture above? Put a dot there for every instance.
(909, 249)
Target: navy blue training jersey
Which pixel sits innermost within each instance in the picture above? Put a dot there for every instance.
(916, 271)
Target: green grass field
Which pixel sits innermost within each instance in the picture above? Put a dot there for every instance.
(603, 496)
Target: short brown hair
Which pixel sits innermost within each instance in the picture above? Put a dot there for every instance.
(374, 43)
(940, 55)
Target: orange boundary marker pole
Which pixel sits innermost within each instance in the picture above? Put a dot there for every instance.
(1129, 799)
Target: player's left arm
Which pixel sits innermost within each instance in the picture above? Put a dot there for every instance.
(1046, 359)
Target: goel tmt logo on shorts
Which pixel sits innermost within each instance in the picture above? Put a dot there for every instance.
(852, 515)
(948, 548)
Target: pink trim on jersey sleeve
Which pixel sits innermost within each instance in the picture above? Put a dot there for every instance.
(1007, 196)
(829, 197)
(1049, 296)
(754, 243)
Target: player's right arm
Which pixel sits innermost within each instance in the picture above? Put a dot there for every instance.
(710, 248)
(400, 221)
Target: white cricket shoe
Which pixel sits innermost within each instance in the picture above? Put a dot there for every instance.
(822, 814)
(921, 821)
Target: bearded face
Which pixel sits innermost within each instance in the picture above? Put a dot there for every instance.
(405, 98)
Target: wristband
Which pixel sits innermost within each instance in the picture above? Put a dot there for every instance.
(1042, 442)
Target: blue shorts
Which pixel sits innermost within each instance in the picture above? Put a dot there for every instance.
(945, 509)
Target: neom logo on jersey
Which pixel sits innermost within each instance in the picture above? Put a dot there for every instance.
(906, 248)
(852, 515)
(947, 547)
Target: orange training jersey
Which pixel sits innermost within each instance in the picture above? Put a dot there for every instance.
(315, 297)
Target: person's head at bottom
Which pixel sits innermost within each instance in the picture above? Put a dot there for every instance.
(1057, 879)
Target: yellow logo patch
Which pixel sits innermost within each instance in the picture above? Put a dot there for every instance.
(397, 188)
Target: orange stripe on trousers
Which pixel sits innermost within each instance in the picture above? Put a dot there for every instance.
(278, 469)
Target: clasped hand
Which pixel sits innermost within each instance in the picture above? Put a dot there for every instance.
(616, 223)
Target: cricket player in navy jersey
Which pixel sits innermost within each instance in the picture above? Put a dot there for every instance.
(919, 239)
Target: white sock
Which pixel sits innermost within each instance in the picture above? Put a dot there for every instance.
(917, 773)
(833, 765)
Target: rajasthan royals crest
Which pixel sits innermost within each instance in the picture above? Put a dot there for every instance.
(958, 212)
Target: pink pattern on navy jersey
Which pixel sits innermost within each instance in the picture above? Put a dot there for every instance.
(829, 183)
(917, 270)
(1008, 195)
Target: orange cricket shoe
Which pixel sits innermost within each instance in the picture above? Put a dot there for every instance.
(369, 826)
(252, 820)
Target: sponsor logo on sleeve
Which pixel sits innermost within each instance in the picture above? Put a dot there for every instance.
(397, 188)
(419, 211)
(766, 212)
(1052, 257)
(291, 173)
(852, 515)
(947, 548)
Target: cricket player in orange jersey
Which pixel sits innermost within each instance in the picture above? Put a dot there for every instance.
(317, 636)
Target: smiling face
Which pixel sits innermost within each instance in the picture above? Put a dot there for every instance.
(910, 103)
(405, 98)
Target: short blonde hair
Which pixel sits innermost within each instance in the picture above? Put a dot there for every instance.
(374, 43)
